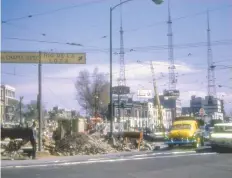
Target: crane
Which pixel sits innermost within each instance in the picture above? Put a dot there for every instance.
(157, 100)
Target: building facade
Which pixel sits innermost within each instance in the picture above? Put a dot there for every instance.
(7, 100)
(141, 114)
(196, 103)
(213, 108)
(173, 104)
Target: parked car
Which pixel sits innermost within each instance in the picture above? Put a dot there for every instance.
(185, 131)
(221, 136)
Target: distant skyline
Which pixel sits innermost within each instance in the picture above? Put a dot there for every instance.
(87, 24)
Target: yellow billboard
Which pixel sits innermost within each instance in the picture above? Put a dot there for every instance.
(45, 57)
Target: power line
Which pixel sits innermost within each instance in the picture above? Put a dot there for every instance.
(178, 18)
(71, 78)
(50, 42)
(104, 36)
(62, 102)
(224, 42)
(106, 74)
(24, 28)
(52, 11)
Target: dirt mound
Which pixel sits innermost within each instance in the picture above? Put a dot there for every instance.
(81, 144)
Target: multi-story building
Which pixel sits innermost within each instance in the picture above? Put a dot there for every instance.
(186, 111)
(143, 114)
(173, 104)
(7, 100)
(196, 103)
(213, 107)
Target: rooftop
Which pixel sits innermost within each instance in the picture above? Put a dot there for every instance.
(8, 87)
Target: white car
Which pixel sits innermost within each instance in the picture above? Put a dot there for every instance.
(221, 136)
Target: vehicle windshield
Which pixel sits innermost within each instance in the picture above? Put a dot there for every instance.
(222, 129)
(181, 126)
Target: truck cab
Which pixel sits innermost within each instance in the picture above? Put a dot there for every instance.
(185, 131)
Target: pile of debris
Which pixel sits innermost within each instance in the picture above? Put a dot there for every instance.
(79, 144)
(83, 144)
(10, 149)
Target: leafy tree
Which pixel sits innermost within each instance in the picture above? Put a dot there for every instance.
(92, 92)
(31, 111)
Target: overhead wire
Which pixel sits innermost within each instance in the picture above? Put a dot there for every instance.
(68, 78)
(106, 74)
(61, 101)
(224, 42)
(51, 11)
(8, 22)
(177, 18)
(105, 36)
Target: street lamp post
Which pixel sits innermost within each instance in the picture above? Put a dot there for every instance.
(111, 57)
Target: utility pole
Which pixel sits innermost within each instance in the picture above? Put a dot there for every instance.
(96, 99)
(40, 113)
(119, 114)
(20, 109)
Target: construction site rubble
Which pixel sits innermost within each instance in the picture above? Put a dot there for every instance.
(83, 144)
(64, 141)
(11, 149)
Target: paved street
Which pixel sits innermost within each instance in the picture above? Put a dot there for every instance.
(173, 165)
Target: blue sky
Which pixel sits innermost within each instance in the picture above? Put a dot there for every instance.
(144, 24)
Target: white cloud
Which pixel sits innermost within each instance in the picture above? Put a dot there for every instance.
(59, 87)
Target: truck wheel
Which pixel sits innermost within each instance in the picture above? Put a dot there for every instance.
(170, 146)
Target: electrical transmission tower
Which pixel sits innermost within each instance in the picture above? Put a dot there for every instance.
(211, 73)
(122, 76)
(172, 75)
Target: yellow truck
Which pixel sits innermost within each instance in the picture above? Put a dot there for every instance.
(185, 131)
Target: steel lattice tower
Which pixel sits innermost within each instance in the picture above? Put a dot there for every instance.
(172, 75)
(122, 77)
(211, 73)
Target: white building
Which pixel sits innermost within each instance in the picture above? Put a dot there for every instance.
(153, 115)
(213, 108)
(7, 95)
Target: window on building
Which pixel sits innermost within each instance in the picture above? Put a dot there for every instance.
(138, 113)
(2, 94)
(145, 113)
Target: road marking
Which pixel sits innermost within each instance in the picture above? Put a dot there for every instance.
(108, 160)
(96, 159)
(183, 152)
(176, 152)
(140, 155)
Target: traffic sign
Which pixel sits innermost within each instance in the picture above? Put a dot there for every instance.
(45, 57)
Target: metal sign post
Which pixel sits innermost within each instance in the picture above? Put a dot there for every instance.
(40, 112)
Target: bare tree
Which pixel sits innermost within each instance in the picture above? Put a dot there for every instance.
(93, 92)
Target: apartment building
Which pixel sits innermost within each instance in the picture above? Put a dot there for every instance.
(7, 99)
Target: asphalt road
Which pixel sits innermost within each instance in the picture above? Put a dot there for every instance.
(152, 165)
